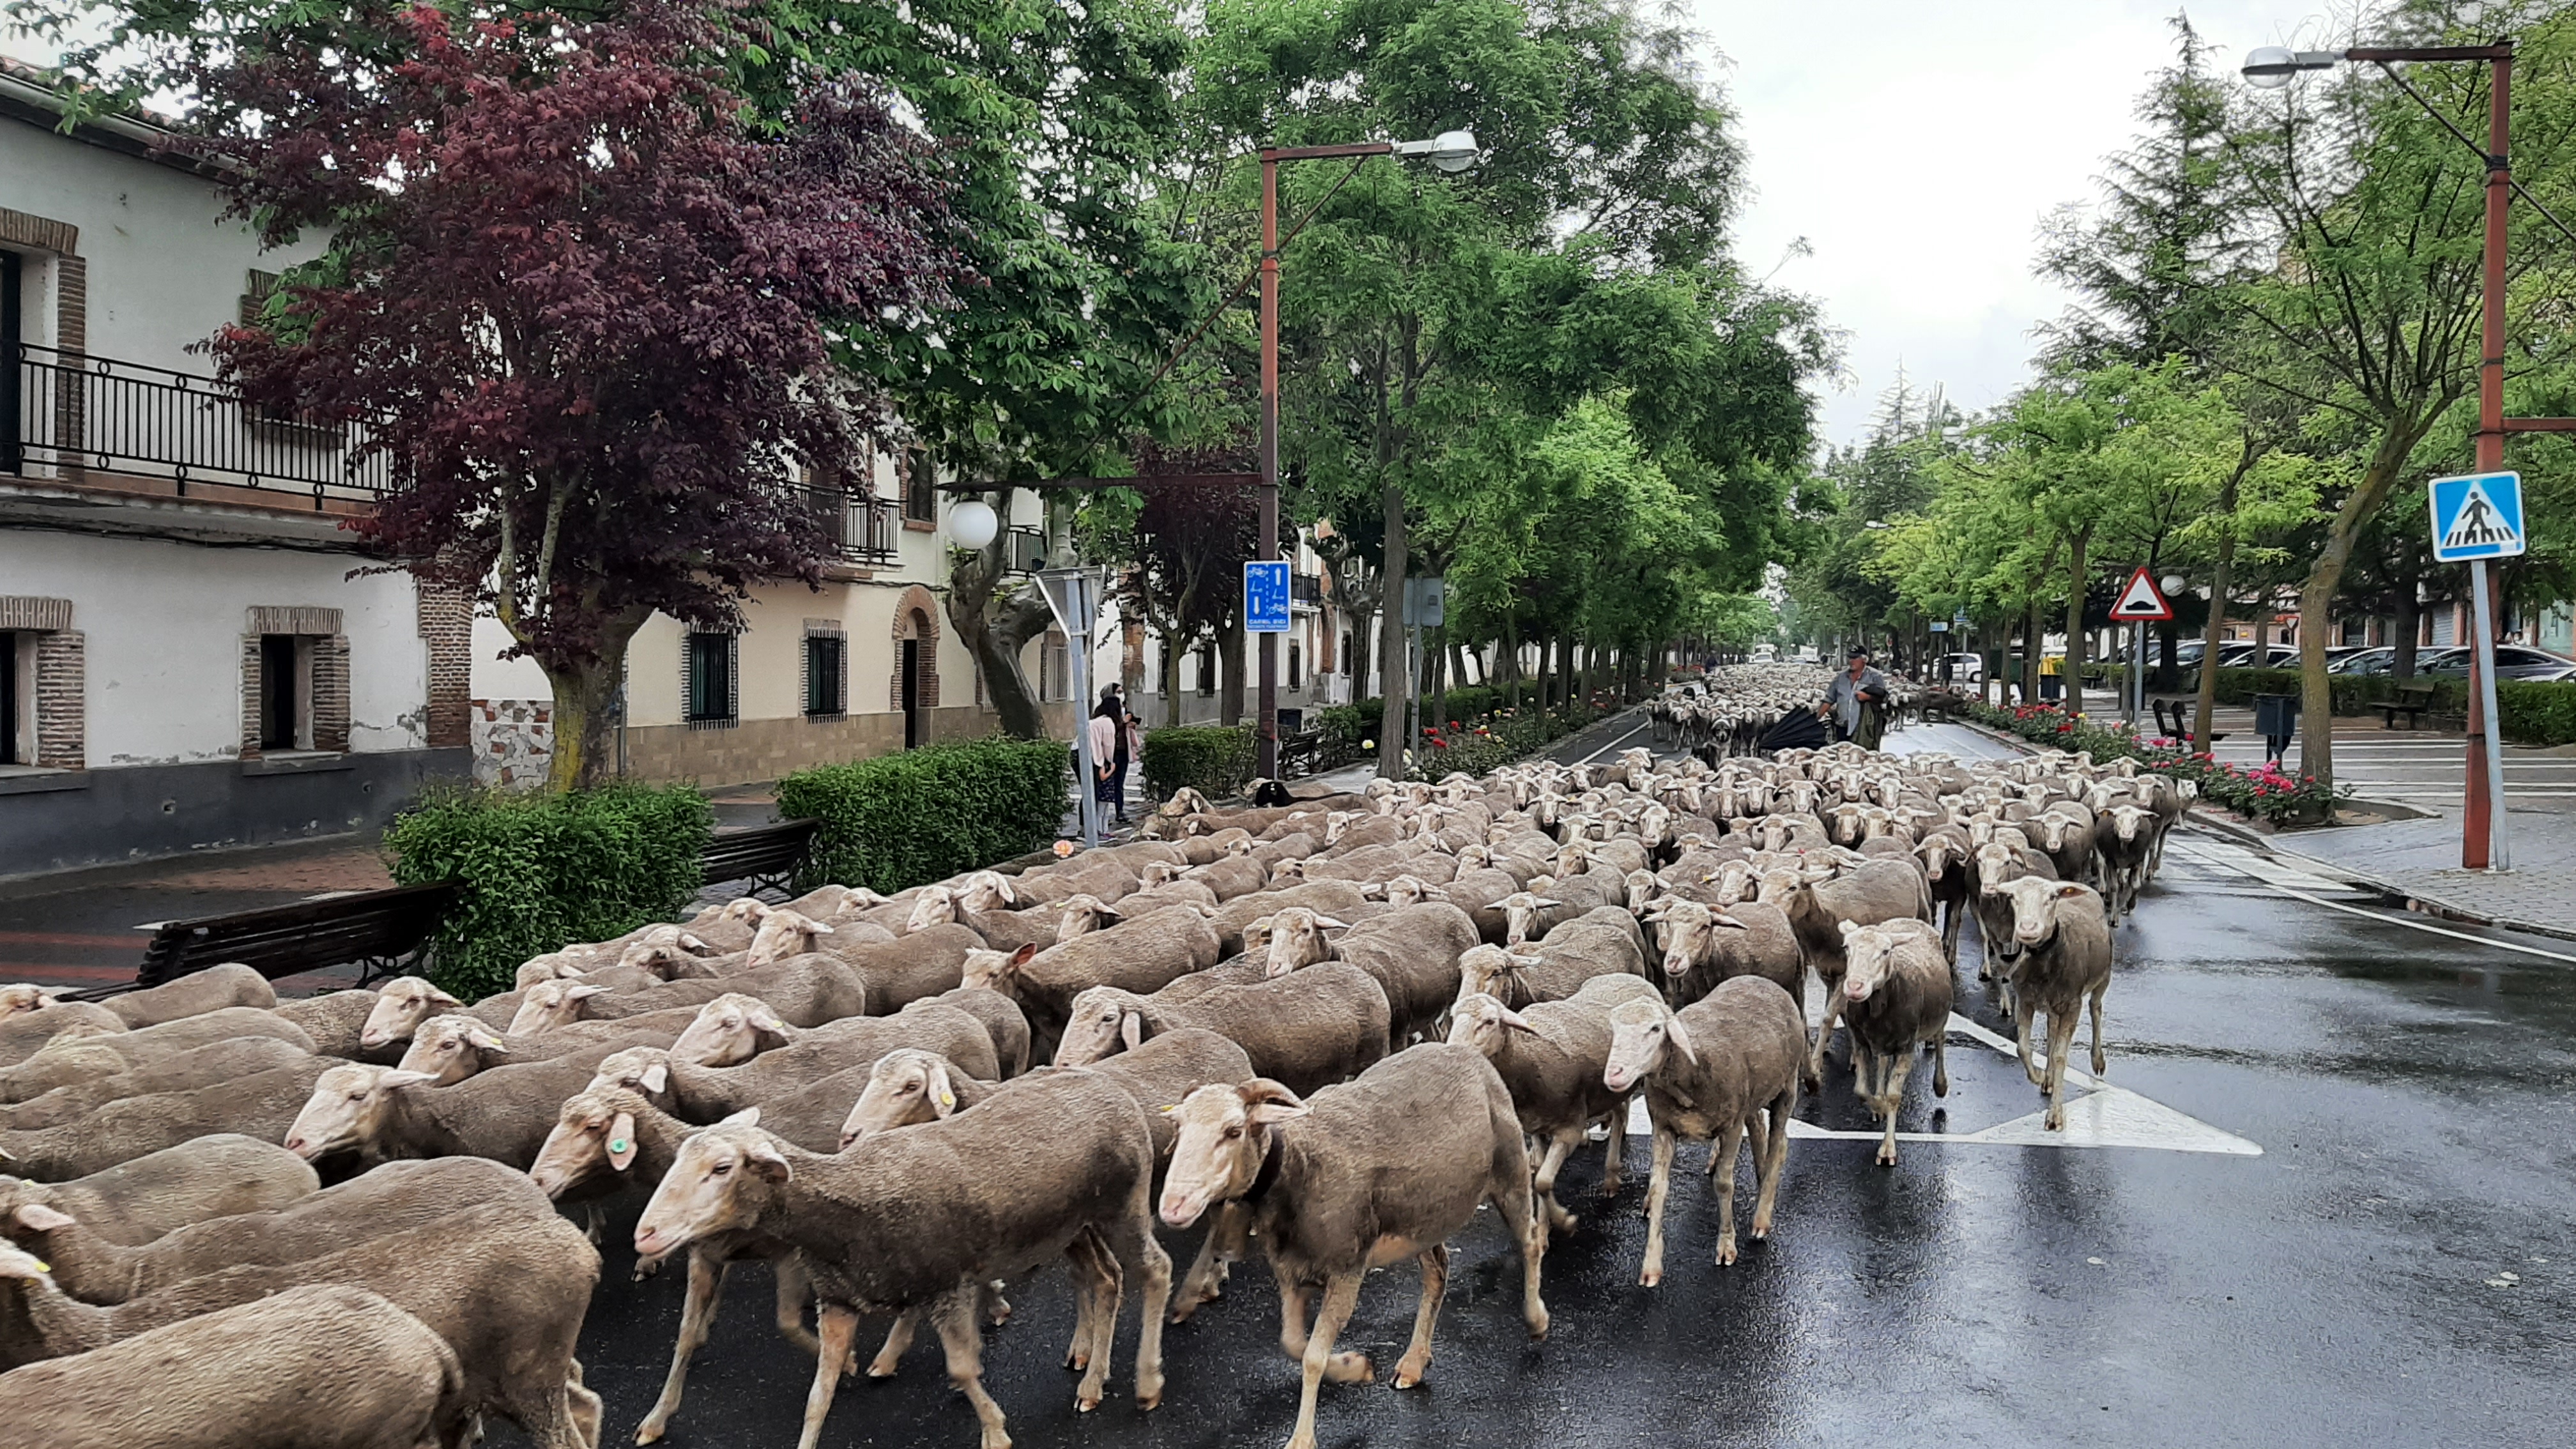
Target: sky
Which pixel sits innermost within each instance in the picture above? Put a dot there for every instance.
(1916, 146)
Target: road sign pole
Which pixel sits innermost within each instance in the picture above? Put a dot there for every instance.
(2482, 842)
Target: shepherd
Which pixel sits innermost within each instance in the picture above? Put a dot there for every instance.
(1856, 701)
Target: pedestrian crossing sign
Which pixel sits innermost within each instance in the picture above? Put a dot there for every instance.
(2477, 516)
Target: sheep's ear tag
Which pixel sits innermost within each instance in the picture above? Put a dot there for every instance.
(947, 1098)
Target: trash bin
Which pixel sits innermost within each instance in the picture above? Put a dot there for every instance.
(2276, 719)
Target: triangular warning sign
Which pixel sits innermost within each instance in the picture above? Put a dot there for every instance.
(2139, 599)
(2478, 524)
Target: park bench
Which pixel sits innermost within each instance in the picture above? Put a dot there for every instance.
(1300, 748)
(383, 932)
(2411, 700)
(766, 856)
(2179, 727)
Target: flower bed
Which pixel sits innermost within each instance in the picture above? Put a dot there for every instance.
(2267, 793)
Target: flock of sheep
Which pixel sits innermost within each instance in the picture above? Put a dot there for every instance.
(1332, 1031)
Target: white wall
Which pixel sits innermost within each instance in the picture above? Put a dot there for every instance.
(163, 625)
(499, 678)
(163, 272)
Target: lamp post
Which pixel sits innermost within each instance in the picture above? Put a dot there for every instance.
(2482, 844)
(1449, 151)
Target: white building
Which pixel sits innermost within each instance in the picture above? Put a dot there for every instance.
(185, 662)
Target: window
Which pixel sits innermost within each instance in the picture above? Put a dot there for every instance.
(16, 738)
(1296, 663)
(827, 685)
(285, 692)
(1207, 668)
(1055, 669)
(710, 684)
(920, 503)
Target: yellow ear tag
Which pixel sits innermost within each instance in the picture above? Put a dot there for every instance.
(44, 1267)
(947, 1099)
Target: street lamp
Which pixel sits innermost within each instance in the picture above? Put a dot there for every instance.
(2482, 825)
(2173, 584)
(1450, 151)
(972, 523)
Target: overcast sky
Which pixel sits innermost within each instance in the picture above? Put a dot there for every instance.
(1916, 144)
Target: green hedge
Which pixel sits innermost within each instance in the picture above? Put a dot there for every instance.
(904, 820)
(2535, 713)
(543, 870)
(1214, 760)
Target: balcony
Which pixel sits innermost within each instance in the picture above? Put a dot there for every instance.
(1306, 589)
(69, 418)
(864, 525)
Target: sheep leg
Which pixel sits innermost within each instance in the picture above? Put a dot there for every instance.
(1082, 1265)
(2061, 1040)
(1510, 1195)
(1426, 1317)
(1950, 915)
(1224, 1242)
(1825, 1031)
(1292, 1312)
(1134, 1244)
(2101, 1064)
(1108, 1289)
(1892, 1096)
(839, 1324)
(1730, 1140)
(1941, 1064)
(697, 1324)
(793, 1287)
(1557, 1147)
(898, 1341)
(954, 1316)
(1775, 1154)
(1614, 1150)
(1657, 1187)
(1341, 1294)
(2022, 1013)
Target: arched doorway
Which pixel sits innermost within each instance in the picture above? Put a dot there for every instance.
(915, 686)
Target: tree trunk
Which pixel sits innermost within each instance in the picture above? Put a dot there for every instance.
(995, 625)
(1172, 651)
(585, 701)
(1511, 661)
(1230, 650)
(1439, 652)
(2316, 690)
(2410, 627)
(1399, 680)
(2206, 703)
(2073, 669)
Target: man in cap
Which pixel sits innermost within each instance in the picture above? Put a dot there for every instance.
(1857, 701)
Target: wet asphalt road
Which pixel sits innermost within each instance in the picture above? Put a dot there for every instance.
(2410, 1094)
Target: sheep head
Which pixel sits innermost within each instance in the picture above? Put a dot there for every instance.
(1482, 1022)
(986, 890)
(907, 1086)
(451, 1048)
(347, 1108)
(21, 998)
(643, 1070)
(1643, 1033)
(717, 1184)
(2036, 901)
(1224, 1133)
(935, 906)
(402, 1004)
(1297, 939)
(1103, 1020)
(594, 1132)
(997, 970)
(551, 1004)
(730, 1030)
(1082, 915)
(1520, 914)
(783, 933)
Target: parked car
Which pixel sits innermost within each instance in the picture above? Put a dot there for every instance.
(2513, 661)
(1967, 668)
(2373, 661)
(2241, 656)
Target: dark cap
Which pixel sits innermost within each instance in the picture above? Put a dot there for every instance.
(1859, 651)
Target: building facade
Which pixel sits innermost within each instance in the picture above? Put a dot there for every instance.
(186, 659)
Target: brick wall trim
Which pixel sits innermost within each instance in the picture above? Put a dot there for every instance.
(916, 616)
(62, 700)
(446, 623)
(33, 613)
(293, 619)
(43, 233)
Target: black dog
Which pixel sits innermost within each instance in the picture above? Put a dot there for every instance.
(1271, 795)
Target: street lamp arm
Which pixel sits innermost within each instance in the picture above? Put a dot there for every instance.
(1312, 153)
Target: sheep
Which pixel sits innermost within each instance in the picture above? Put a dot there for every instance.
(506, 1289)
(1099, 875)
(1337, 898)
(385, 1114)
(1947, 861)
(334, 1020)
(203, 1066)
(36, 1019)
(1703, 946)
(706, 1093)
(228, 984)
(1574, 954)
(2065, 959)
(1551, 1059)
(1004, 1023)
(916, 1219)
(315, 1367)
(731, 1030)
(388, 1199)
(1232, 876)
(68, 1058)
(406, 1001)
(1529, 915)
(1140, 955)
(205, 1177)
(2124, 843)
(805, 990)
(1412, 952)
(1896, 999)
(1715, 1070)
(552, 1005)
(452, 1048)
(1818, 906)
(1996, 866)
(1310, 1028)
(784, 933)
(1393, 1163)
(921, 964)
(262, 1104)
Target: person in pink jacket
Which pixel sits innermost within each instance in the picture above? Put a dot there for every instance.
(1116, 741)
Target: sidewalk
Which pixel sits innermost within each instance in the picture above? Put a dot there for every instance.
(2416, 859)
(89, 927)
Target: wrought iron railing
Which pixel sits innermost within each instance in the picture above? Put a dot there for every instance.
(865, 526)
(1305, 588)
(70, 413)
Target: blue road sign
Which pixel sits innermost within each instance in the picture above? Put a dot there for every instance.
(1265, 596)
(2477, 516)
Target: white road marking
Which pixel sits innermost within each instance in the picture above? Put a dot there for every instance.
(1614, 744)
(2208, 852)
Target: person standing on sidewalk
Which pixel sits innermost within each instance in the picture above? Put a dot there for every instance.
(1109, 755)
